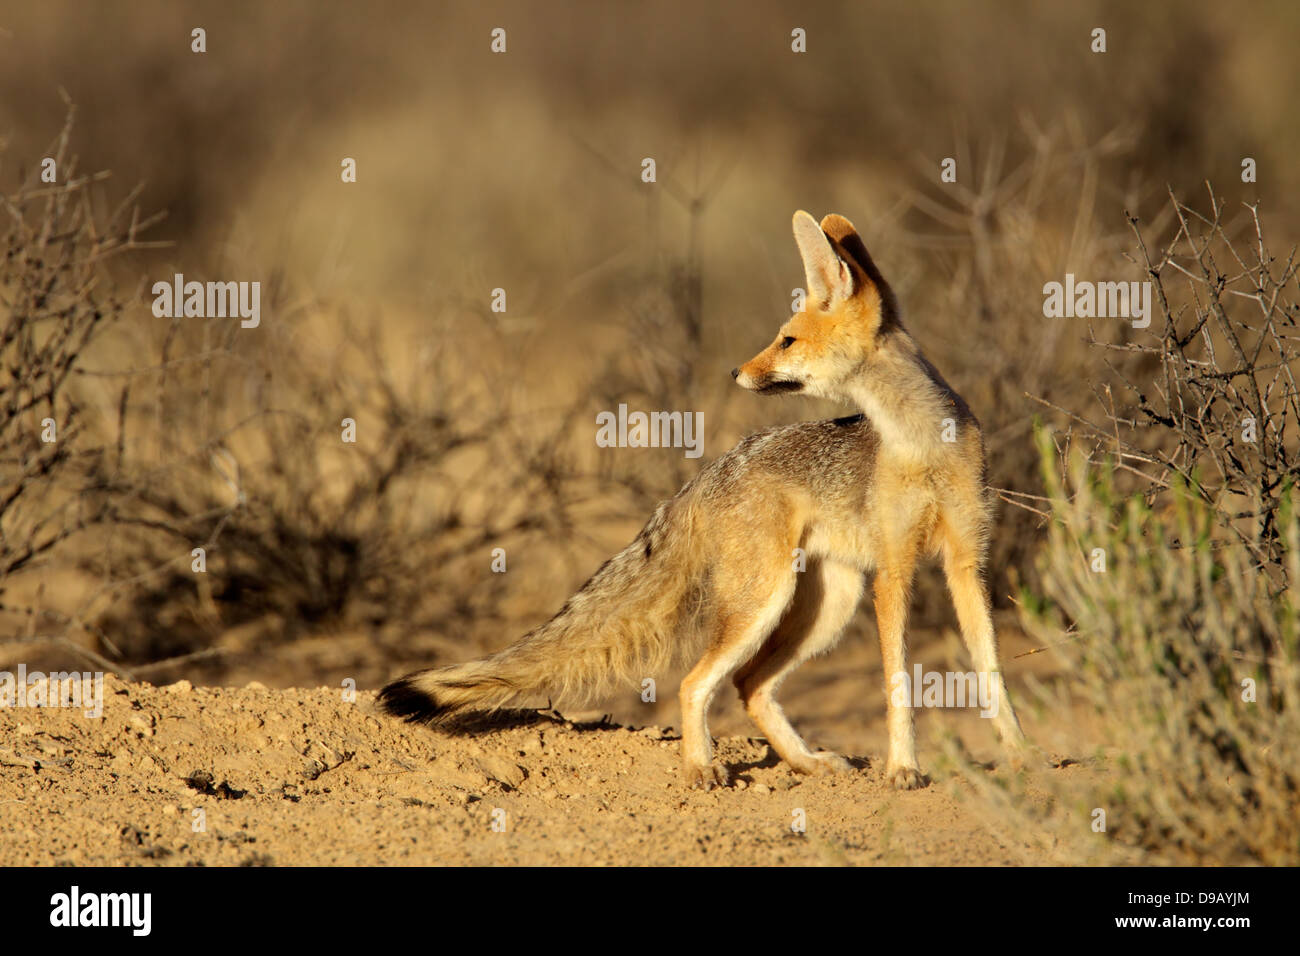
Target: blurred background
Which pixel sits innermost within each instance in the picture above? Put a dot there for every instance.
(522, 171)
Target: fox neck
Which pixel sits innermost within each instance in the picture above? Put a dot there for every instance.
(906, 399)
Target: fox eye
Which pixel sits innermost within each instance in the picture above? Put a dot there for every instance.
(787, 341)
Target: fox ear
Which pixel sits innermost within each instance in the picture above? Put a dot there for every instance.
(829, 278)
(837, 227)
(868, 279)
(846, 238)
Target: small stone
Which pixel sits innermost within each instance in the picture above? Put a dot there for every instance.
(502, 770)
(145, 727)
(180, 687)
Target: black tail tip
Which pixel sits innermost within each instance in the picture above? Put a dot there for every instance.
(402, 698)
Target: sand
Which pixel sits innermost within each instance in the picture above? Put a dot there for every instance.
(219, 776)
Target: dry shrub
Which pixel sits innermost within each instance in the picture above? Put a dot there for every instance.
(1192, 664)
(1213, 401)
(1184, 641)
(55, 302)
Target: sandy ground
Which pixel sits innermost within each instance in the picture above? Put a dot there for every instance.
(180, 775)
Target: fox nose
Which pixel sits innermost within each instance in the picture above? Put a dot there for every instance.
(735, 373)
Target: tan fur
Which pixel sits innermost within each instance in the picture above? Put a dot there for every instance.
(715, 568)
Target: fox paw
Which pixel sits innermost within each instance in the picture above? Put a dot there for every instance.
(824, 761)
(705, 776)
(906, 778)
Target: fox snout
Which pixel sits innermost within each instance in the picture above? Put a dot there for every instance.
(763, 378)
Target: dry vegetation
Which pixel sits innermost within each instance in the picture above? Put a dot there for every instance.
(474, 428)
(1164, 583)
(59, 459)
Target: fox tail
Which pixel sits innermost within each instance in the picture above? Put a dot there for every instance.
(632, 619)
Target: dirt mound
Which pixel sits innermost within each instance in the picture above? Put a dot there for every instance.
(183, 775)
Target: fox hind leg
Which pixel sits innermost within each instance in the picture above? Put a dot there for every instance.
(739, 633)
(825, 601)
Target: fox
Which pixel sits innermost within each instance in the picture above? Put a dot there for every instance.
(760, 561)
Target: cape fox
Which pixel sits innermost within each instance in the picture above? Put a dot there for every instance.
(714, 573)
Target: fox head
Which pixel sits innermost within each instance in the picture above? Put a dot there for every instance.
(848, 311)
